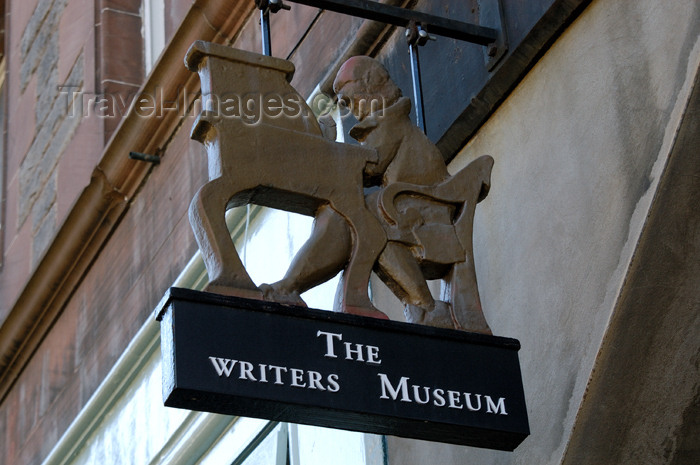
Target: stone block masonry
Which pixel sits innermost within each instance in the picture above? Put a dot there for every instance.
(39, 43)
(56, 123)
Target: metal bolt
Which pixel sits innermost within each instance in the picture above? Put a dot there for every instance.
(273, 6)
(155, 159)
(277, 5)
(417, 35)
(492, 50)
(424, 36)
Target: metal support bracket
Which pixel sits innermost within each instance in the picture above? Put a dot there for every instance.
(491, 33)
(491, 14)
(402, 17)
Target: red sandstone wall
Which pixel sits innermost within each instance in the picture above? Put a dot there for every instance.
(61, 57)
(152, 242)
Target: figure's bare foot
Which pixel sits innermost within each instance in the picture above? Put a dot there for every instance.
(272, 294)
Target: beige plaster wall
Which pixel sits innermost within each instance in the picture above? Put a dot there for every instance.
(579, 148)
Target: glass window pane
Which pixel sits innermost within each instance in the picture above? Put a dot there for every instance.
(313, 445)
(271, 451)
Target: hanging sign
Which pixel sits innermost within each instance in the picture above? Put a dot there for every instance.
(441, 376)
(267, 360)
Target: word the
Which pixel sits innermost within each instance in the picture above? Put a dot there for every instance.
(357, 352)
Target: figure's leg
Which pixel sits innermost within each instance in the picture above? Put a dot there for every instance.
(400, 272)
(322, 256)
(368, 242)
(207, 212)
(464, 295)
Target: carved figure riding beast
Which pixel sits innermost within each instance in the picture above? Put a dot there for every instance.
(416, 226)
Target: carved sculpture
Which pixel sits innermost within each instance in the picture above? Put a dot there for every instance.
(417, 225)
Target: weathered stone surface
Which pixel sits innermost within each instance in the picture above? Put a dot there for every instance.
(30, 31)
(53, 134)
(39, 51)
(47, 80)
(60, 139)
(39, 36)
(44, 234)
(29, 185)
(45, 201)
(128, 6)
(122, 32)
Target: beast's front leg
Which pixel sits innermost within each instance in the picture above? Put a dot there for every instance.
(208, 220)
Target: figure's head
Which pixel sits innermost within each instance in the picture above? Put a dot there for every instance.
(364, 84)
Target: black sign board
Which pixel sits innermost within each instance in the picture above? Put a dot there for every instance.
(261, 359)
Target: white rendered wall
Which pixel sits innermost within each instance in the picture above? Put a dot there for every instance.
(578, 147)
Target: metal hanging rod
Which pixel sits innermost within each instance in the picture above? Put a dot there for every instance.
(403, 17)
(266, 7)
(415, 37)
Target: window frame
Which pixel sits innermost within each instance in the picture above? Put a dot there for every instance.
(3, 153)
(153, 14)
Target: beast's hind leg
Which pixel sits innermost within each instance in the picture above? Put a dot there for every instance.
(208, 220)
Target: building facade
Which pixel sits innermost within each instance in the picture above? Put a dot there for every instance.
(587, 248)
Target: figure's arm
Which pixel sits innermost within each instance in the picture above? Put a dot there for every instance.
(385, 144)
(374, 172)
(328, 127)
